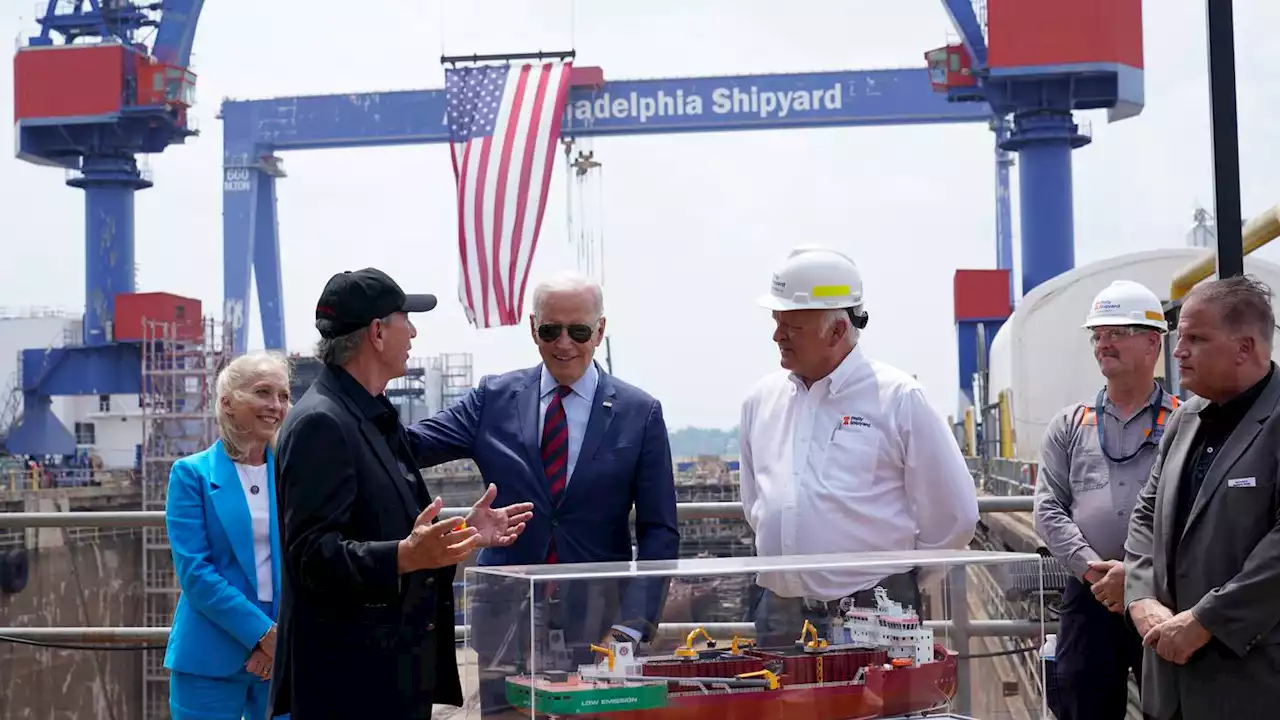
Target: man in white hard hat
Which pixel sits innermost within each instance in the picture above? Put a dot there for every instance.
(841, 453)
(1095, 457)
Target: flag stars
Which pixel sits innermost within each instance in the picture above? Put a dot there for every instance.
(475, 100)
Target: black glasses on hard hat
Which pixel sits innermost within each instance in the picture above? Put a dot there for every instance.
(859, 320)
(579, 333)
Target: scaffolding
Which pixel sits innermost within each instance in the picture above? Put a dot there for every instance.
(711, 478)
(178, 374)
(456, 377)
(430, 385)
(410, 393)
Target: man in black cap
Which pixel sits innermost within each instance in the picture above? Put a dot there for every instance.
(366, 611)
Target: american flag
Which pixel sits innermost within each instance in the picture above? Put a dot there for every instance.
(504, 123)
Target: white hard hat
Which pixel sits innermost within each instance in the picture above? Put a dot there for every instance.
(815, 278)
(1125, 302)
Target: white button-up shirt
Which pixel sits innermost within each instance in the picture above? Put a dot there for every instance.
(859, 462)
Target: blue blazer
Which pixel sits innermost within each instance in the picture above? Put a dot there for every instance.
(624, 463)
(218, 621)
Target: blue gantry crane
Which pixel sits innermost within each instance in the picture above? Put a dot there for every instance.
(89, 97)
(1033, 65)
(1021, 68)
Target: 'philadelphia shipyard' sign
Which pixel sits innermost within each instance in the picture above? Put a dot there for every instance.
(838, 98)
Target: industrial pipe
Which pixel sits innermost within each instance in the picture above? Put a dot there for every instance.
(155, 518)
(1259, 231)
(160, 635)
(94, 635)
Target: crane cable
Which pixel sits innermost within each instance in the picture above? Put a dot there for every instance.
(585, 206)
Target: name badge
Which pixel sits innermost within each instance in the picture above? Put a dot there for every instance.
(1242, 482)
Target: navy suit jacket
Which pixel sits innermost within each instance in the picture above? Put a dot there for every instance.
(624, 463)
(217, 622)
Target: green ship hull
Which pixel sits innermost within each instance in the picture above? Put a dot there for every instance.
(582, 700)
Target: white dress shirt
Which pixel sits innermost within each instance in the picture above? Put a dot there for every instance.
(260, 513)
(859, 462)
(577, 409)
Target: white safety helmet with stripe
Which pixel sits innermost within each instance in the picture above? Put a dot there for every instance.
(1125, 302)
(816, 278)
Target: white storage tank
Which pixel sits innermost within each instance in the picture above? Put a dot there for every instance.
(1044, 356)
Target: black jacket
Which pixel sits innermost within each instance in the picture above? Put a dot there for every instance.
(356, 639)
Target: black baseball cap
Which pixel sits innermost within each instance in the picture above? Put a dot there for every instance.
(353, 299)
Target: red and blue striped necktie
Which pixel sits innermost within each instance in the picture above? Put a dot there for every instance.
(555, 451)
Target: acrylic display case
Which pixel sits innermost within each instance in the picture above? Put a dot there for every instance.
(945, 634)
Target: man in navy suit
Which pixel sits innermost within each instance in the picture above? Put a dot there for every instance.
(584, 448)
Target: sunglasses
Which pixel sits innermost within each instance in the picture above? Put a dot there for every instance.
(550, 332)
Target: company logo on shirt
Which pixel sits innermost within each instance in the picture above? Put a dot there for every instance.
(854, 421)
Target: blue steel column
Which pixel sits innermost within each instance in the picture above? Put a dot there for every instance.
(266, 264)
(1044, 140)
(109, 184)
(239, 204)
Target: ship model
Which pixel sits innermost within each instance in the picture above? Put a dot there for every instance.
(882, 662)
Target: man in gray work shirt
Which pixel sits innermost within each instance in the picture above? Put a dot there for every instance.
(1095, 457)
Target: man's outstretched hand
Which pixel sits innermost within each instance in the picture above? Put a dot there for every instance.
(432, 544)
(498, 527)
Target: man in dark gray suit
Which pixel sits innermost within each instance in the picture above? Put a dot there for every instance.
(1203, 553)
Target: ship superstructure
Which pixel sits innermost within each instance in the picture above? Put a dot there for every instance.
(891, 626)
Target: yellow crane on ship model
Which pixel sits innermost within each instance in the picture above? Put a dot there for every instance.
(686, 651)
(816, 643)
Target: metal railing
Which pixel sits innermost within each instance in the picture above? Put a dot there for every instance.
(960, 627)
(1004, 477)
(28, 479)
(155, 518)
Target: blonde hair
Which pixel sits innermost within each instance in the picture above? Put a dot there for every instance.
(232, 387)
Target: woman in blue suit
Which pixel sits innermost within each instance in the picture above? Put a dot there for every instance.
(221, 519)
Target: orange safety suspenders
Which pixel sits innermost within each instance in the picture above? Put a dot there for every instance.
(1090, 416)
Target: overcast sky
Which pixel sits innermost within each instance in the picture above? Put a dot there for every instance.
(693, 224)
